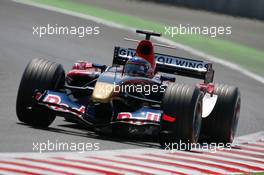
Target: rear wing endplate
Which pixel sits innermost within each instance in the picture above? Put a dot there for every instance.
(170, 64)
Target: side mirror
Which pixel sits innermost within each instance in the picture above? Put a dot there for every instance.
(100, 66)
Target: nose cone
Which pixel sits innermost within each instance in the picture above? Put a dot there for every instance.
(103, 92)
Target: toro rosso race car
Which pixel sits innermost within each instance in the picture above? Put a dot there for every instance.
(138, 92)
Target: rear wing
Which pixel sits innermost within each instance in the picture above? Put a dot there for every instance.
(171, 64)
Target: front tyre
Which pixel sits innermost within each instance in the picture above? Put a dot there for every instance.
(40, 74)
(183, 105)
(220, 126)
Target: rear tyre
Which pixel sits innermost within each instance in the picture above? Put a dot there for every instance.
(220, 126)
(184, 104)
(40, 74)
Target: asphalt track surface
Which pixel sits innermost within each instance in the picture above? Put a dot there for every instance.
(244, 31)
(18, 46)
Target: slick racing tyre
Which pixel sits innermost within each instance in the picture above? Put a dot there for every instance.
(220, 126)
(182, 105)
(40, 74)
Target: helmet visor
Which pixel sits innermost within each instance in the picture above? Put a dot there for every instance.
(135, 70)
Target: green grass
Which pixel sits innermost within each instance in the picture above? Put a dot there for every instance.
(261, 173)
(247, 57)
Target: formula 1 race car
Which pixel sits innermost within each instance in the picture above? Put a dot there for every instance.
(138, 92)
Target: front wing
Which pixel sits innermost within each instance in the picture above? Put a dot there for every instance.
(64, 106)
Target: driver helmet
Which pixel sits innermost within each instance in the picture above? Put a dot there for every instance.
(137, 66)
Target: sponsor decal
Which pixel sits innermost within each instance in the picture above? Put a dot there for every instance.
(124, 115)
(150, 116)
(55, 99)
(180, 62)
(127, 53)
(153, 116)
(167, 60)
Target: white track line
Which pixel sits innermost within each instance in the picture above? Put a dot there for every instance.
(250, 137)
(164, 40)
